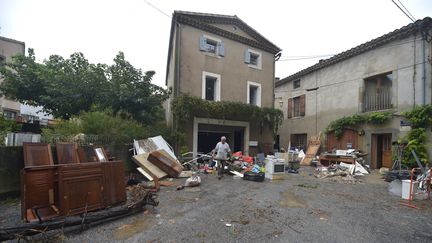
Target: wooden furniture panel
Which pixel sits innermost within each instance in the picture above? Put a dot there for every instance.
(165, 162)
(38, 187)
(81, 188)
(313, 147)
(349, 136)
(115, 186)
(67, 153)
(326, 160)
(37, 154)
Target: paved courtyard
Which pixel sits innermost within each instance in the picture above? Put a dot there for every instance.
(300, 208)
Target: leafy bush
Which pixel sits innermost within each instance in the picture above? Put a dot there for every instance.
(421, 116)
(7, 126)
(420, 119)
(102, 123)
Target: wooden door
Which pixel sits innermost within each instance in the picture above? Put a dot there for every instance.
(374, 149)
(386, 150)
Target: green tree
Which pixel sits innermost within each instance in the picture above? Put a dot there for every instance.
(66, 87)
(131, 90)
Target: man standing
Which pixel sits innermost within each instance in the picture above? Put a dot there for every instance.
(220, 153)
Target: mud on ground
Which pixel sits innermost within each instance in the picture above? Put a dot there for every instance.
(297, 209)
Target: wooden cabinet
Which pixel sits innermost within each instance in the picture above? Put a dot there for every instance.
(37, 187)
(81, 188)
(73, 188)
(115, 191)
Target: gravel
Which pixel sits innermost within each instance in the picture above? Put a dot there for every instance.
(300, 208)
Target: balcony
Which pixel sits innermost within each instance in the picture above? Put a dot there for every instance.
(377, 101)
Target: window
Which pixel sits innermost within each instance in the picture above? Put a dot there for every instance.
(378, 92)
(211, 86)
(9, 114)
(212, 45)
(296, 84)
(297, 106)
(299, 141)
(254, 93)
(253, 58)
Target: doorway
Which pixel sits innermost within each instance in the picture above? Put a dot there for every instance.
(381, 150)
(207, 140)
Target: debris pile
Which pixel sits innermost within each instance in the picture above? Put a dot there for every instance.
(347, 165)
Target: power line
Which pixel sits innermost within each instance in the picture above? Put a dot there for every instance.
(349, 80)
(403, 11)
(320, 56)
(157, 9)
(295, 58)
(406, 10)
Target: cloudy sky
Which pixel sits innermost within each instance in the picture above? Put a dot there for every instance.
(102, 28)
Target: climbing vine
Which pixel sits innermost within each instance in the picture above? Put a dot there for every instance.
(376, 118)
(185, 107)
(420, 119)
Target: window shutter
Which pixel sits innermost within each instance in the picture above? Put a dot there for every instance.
(302, 105)
(247, 56)
(203, 43)
(290, 107)
(221, 49)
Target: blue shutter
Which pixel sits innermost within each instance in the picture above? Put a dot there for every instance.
(247, 56)
(221, 49)
(203, 43)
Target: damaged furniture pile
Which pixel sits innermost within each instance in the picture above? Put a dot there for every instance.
(156, 160)
(61, 195)
(348, 164)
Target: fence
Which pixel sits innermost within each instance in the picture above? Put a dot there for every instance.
(379, 101)
(17, 139)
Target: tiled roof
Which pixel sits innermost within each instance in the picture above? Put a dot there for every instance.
(204, 20)
(397, 34)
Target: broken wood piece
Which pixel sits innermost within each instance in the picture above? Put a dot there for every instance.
(312, 150)
(149, 168)
(165, 162)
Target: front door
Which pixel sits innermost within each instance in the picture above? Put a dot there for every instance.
(381, 150)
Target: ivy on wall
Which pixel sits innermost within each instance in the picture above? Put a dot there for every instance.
(420, 119)
(185, 107)
(375, 118)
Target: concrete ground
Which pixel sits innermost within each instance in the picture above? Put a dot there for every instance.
(300, 208)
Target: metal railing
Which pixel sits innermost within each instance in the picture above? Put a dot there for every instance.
(376, 102)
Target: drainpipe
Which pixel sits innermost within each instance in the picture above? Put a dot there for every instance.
(276, 57)
(178, 48)
(424, 67)
(414, 71)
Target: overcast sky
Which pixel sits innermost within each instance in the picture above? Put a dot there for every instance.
(102, 28)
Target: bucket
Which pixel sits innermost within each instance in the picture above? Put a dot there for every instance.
(406, 189)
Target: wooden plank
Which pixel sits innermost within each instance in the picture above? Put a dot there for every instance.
(312, 150)
(148, 167)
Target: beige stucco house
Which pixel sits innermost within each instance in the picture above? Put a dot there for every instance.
(220, 58)
(9, 48)
(390, 73)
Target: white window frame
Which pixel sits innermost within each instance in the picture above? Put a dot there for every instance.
(255, 84)
(259, 63)
(217, 85)
(218, 43)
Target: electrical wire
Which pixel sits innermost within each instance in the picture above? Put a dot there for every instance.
(158, 9)
(345, 81)
(320, 56)
(406, 10)
(403, 11)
